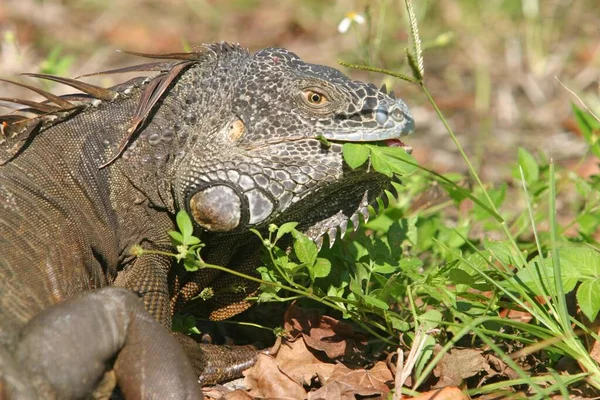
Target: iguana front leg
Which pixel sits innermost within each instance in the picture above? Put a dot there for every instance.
(229, 291)
(66, 349)
(147, 277)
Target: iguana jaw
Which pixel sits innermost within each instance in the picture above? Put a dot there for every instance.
(339, 222)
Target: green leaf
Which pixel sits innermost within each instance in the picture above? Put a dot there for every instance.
(335, 291)
(497, 195)
(531, 170)
(588, 223)
(430, 319)
(584, 189)
(323, 140)
(375, 302)
(193, 240)
(257, 233)
(391, 160)
(304, 248)
(584, 260)
(381, 164)
(190, 264)
(285, 228)
(176, 236)
(590, 128)
(459, 276)
(538, 276)
(398, 323)
(355, 287)
(504, 252)
(397, 233)
(586, 123)
(385, 268)
(268, 275)
(184, 324)
(265, 297)
(425, 354)
(322, 268)
(396, 158)
(458, 193)
(588, 298)
(184, 223)
(355, 155)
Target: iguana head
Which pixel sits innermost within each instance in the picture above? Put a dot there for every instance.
(268, 163)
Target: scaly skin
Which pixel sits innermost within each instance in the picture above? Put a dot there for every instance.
(228, 136)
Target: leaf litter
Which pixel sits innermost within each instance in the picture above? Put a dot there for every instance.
(318, 359)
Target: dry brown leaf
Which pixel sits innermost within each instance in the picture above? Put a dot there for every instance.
(266, 379)
(237, 394)
(365, 382)
(219, 392)
(500, 366)
(447, 393)
(323, 333)
(334, 391)
(301, 364)
(459, 364)
(295, 364)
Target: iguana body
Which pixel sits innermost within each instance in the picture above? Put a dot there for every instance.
(228, 136)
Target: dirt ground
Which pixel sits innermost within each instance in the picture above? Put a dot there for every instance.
(495, 77)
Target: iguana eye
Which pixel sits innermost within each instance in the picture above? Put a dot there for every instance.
(315, 98)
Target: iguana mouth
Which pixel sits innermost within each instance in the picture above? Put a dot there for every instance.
(398, 143)
(392, 121)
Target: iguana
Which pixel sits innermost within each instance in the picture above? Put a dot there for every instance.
(230, 137)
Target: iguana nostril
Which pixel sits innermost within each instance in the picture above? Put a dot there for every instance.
(216, 208)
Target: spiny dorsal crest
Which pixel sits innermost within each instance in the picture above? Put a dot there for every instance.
(18, 127)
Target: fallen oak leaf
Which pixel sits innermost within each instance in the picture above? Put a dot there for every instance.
(324, 333)
(267, 380)
(447, 393)
(336, 339)
(296, 366)
(460, 364)
(237, 394)
(334, 391)
(374, 381)
(347, 384)
(301, 364)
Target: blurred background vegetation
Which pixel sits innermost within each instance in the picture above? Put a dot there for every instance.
(490, 65)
